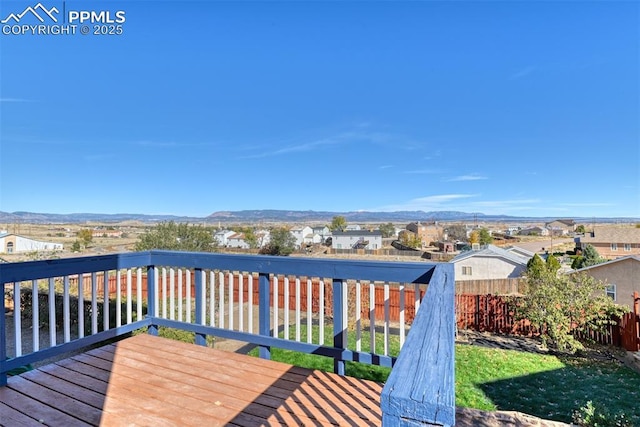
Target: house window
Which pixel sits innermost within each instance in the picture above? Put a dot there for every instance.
(466, 271)
(614, 246)
(9, 247)
(627, 247)
(611, 291)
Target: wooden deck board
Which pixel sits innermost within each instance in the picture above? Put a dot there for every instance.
(146, 380)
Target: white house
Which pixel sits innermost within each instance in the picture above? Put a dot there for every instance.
(222, 237)
(352, 227)
(303, 235)
(263, 237)
(490, 262)
(12, 243)
(357, 239)
(322, 231)
(237, 241)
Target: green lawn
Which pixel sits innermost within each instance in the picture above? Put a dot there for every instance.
(546, 386)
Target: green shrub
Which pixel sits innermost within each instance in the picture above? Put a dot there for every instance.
(595, 415)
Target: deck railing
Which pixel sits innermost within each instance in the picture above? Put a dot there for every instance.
(314, 306)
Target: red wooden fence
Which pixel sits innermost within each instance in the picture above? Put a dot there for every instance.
(630, 326)
(489, 313)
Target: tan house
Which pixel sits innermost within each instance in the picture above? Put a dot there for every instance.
(427, 233)
(621, 275)
(561, 227)
(612, 242)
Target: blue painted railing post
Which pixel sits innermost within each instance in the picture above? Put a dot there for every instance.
(421, 387)
(201, 339)
(3, 338)
(152, 309)
(264, 310)
(339, 321)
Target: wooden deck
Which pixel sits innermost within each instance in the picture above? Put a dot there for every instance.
(151, 381)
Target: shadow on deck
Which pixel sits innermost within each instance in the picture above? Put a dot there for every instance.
(146, 380)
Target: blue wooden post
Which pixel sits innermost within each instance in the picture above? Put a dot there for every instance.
(152, 310)
(201, 339)
(3, 337)
(339, 322)
(421, 387)
(264, 309)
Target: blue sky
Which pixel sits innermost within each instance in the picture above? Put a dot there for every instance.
(517, 108)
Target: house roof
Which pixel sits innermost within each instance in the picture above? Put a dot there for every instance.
(521, 252)
(358, 233)
(612, 235)
(613, 261)
(492, 251)
(567, 222)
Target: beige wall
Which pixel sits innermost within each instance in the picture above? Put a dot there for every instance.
(605, 250)
(625, 274)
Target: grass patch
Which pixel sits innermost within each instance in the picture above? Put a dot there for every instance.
(546, 386)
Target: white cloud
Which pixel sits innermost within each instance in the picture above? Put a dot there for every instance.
(358, 134)
(471, 177)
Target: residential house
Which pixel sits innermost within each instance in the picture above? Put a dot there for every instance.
(104, 232)
(427, 233)
(263, 237)
(521, 252)
(534, 231)
(622, 276)
(322, 231)
(612, 241)
(222, 237)
(13, 243)
(490, 262)
(303, 235)
(352, 227)
(512, 230)
(237, 240)
(561, 227)
(357, 239)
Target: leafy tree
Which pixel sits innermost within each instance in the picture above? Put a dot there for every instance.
(485, 237)
(535, 267)
(580, 229)
(474, 237)
(177, 237)
(589, 257)
(558, 305)
(282, 242)
(251, 238)
(76, 246)
(409, 239)
(457, 232)
(552, 264)
(388, 230)
(338, 223)
(86, 236)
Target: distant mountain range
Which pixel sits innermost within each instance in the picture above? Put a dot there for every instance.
(271, 215)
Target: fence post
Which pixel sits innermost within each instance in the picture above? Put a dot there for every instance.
(636, 321)
(264, 304)
(339, 322)
(201, 339)
(152, 298)
(3, 338)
